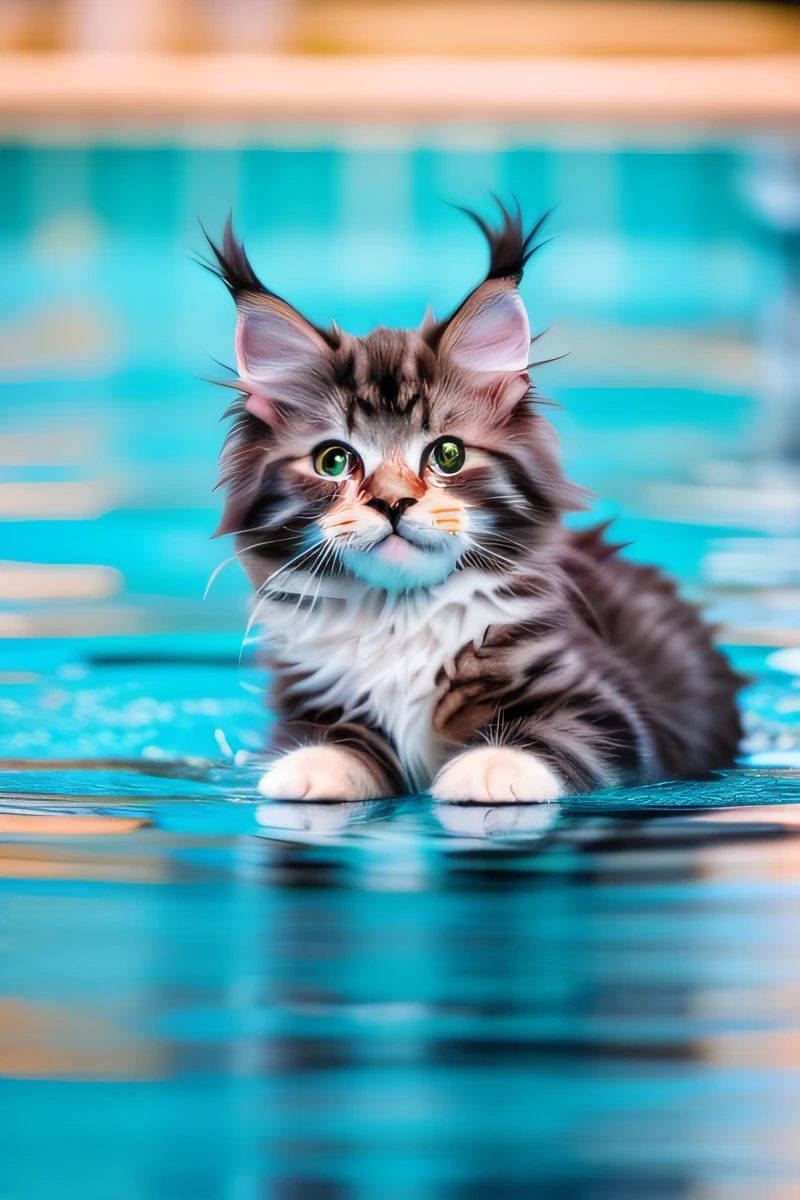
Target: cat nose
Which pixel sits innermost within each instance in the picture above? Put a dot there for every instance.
(395, 483)
(392, 511)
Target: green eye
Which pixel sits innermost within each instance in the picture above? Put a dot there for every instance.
(334, 461)
(448, 457)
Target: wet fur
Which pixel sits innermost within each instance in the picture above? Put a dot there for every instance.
(536, 639)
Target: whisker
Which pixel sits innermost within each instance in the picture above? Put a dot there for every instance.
(286, 566)
(474, 558)
(226, 562)
(510, 541)
(217, 571)
(319, 584)
(287, 527)
(488, 552)
(266, 590)
(312, 568)
(499, 536)
(333, 551)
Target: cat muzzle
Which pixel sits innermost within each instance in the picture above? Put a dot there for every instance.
(392, 512)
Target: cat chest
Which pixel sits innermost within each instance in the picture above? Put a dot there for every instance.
(389, 669)
(400, 683)
(385, 679)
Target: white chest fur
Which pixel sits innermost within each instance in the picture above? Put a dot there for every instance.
(378, 658)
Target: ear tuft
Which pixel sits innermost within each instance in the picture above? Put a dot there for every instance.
(490, 330)
(277, 349)
(232, 265)
(509, 246)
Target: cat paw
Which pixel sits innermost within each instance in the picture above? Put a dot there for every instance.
(500, 774)
(320, 773)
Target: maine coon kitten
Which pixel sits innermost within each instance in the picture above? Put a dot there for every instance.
(397, 502)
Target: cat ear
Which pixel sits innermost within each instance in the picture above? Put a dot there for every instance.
(276, 348)
(427, 325)
(490, 331)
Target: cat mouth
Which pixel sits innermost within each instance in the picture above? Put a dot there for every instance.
(395, 548)
(397, 563)
(400, 543)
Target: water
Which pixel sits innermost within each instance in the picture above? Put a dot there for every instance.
(232, 1002)
(205, 996)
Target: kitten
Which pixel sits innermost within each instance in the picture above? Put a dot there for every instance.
(397, 502)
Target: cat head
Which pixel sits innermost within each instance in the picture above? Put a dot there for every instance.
(396, 458)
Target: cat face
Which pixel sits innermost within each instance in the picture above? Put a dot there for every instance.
(392, 513)
(396, 458)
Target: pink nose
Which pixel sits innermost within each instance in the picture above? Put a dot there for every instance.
(393, 482)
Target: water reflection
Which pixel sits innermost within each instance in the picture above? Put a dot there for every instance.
(318, 817)
(424, 1003)
(483, 821)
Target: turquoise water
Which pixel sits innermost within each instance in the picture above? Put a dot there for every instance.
(237, 1000)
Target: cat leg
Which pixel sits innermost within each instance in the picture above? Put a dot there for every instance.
(500, 774)
(340, 763)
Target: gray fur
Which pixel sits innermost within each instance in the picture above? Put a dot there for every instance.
(604, 672)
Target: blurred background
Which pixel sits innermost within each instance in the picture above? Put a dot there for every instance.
(664, 137)
(452, 27)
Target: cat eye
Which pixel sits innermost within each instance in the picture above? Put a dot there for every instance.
(447, 456)
(334, 461)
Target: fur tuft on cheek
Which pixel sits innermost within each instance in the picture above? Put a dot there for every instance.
(241, 467)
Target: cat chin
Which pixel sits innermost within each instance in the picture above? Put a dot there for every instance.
(397, 566)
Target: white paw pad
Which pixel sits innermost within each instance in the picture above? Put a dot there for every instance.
(500, 774)
(320, 773)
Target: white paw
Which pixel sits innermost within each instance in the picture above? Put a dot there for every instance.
(320, 773)
(500, 774)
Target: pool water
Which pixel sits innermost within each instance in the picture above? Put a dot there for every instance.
(202, 995)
